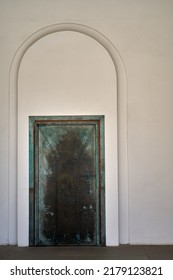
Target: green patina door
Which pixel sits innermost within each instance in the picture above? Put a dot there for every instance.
(67, 180)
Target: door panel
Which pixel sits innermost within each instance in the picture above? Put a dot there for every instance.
(67, 181)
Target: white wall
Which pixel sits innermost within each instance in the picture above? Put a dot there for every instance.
(142, 32)
(68, 73)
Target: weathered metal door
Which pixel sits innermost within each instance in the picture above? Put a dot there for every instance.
(67, 180)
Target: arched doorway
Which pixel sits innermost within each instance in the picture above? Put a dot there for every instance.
(113, 233)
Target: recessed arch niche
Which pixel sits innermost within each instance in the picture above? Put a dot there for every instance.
(70, 69)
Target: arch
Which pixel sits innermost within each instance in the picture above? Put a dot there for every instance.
(122, 123)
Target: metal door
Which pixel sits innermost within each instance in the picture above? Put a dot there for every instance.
(67, 180)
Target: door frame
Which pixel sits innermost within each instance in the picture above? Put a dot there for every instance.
(97, 123)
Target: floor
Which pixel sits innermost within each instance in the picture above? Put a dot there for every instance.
(122, 252)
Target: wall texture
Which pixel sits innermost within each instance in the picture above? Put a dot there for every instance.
(142, 33)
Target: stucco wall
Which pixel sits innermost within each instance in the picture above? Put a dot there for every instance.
(142, 33)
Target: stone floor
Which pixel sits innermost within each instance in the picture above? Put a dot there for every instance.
(122, 252)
